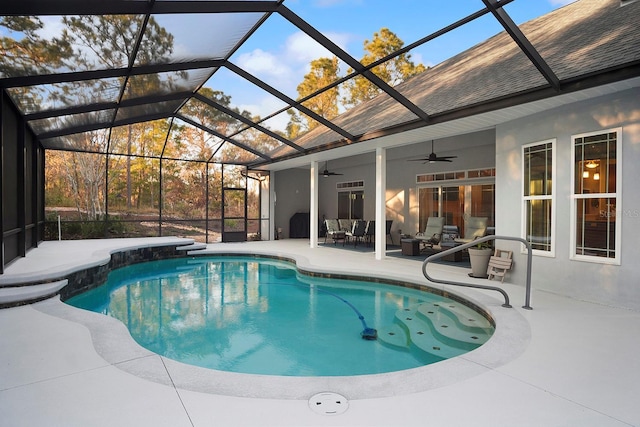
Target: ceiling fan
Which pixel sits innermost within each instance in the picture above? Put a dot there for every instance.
(325, 173)
(433, 157)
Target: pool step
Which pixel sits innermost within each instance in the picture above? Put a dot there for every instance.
(11, 296)
(394, 335)
(446, 327)
(465, 317)
(437, 328)
(192, 247)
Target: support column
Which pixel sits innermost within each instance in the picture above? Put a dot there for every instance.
(272, 206)
(381, 202)
(313, 205)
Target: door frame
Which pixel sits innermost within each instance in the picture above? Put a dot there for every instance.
(234, 235)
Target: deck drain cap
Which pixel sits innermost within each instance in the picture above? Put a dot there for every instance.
(328, 403)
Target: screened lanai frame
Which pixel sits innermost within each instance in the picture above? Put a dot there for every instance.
(245, 17)
(117, 105)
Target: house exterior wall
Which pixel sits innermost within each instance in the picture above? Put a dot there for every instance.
(475, 150)
(292, 195)
(609, 284)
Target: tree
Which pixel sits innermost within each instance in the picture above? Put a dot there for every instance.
(324, 71)
(202, 145)
(30, 54)
(393, 72)
(106, 41)
(295, 125)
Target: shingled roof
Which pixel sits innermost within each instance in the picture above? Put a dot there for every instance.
(585, 44)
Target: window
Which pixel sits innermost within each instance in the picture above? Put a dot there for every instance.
(458, 175)
(596, 179)
(538, 207)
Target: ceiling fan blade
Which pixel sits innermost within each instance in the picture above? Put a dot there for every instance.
(326, 173)
(445, 158)
(433, 157)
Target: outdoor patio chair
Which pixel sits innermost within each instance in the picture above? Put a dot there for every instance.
(370, 232)
(474, 228)
(432, 233)
(345, 224)
(357, 232)
(333, 230)
(499, 264)
(388, 230)
(450, 232)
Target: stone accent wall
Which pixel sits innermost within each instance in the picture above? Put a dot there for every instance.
(84, 280)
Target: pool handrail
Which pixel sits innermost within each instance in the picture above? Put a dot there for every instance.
(527, 303)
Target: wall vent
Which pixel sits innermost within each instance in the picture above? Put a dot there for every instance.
(350, 184)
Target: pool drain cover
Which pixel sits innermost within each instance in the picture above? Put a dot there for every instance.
(328, 403)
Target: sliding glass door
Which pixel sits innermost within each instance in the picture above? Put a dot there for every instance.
(455, 203)
(351, 204)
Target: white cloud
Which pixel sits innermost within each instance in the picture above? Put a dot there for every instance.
(284, 69)
(259, 62)
(301, 48)
(266, 106)
(52, 27)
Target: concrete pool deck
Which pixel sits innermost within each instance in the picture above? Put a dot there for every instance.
(566, 362)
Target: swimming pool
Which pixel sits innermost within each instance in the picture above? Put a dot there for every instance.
(259, 315)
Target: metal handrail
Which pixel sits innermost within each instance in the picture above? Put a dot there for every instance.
(471, 285)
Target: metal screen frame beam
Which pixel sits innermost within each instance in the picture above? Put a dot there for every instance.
(292, 103)
(100, 106)
(125, 7)
(76, 76)
(103, 125)
(523, 42)
(223, 137)
(246, 121)
(352, 62)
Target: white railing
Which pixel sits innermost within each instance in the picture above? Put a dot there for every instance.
(478, 286)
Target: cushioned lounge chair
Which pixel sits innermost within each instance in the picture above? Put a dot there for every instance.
(432, 233)
(474, 228)
(345, 224)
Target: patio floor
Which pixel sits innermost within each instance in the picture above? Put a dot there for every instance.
(565, 363)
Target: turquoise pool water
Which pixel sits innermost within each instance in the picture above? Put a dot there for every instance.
(259, 316)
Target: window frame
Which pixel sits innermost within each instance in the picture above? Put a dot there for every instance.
(551, 253)
(573, 255)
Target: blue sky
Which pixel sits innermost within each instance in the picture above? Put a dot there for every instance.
(280, 54)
